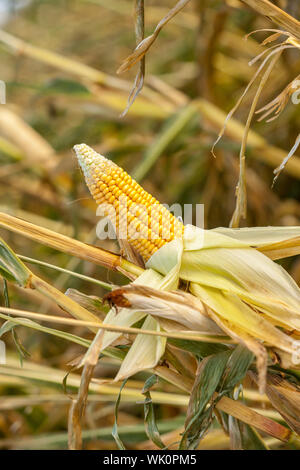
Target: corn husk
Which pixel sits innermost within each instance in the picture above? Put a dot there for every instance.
(151, 347)
(247, 292)
(243, 293)
(144, 353)
(177, 307)
(258, 237)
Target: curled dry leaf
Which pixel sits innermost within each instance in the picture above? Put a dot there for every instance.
(277, 15)
(146, 43)
(277, 105)
(180, 307)
(285, 397)
(272, 54)
(281, 167)
(90, 302)
(139, 32)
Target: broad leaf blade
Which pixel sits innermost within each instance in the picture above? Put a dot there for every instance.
(149, 414)
(11, 268)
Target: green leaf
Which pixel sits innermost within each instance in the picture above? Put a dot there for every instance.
(196, 347)
(115, 426)
(149, 414)
(219, 374)
(11, 268)
(236, 368)
(209, 374)
(63, 86)
(6, 327)
(117, 353)
(170, 131)
(22, 351)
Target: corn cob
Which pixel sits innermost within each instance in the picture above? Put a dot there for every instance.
(146, 223)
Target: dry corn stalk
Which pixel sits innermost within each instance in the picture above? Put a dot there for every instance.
(269, 58)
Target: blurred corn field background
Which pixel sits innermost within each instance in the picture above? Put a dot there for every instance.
(59, 61)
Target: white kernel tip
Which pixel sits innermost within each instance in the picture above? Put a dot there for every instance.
(89, 160)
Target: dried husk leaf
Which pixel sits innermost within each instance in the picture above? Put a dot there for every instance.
(240, 284)
(146, 43)
(127, 317)
(144, 353)
(260, 237)
(285, 397)
(179, 306)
